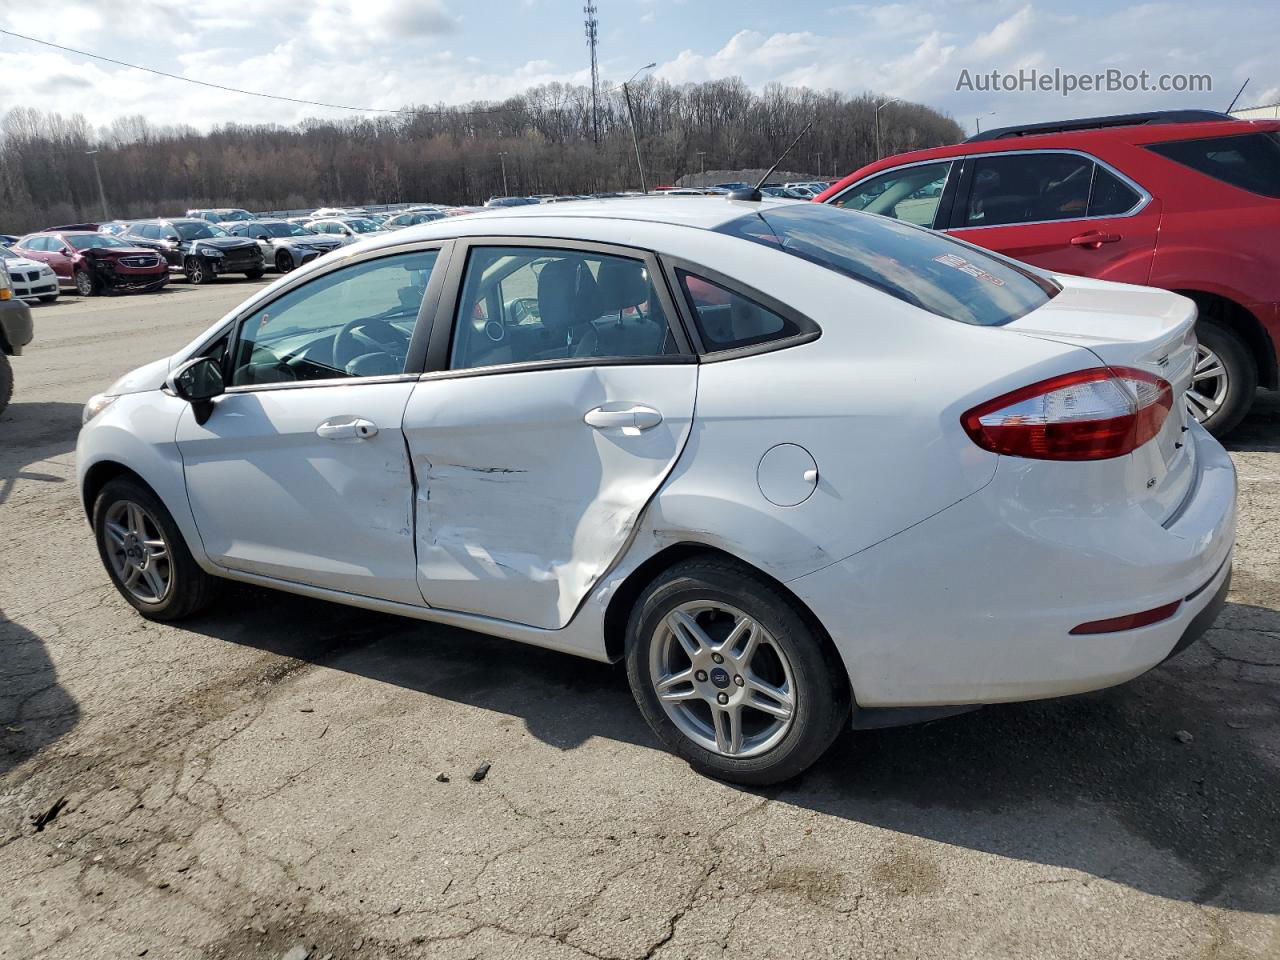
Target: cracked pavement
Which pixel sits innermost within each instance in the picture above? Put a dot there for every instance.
(266, 774)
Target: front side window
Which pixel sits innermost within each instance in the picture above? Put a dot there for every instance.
(1249, 161)
(909, 193)
(197, 230)
(1028, 188)
(525, 304)
(926, 269)
(353, 322)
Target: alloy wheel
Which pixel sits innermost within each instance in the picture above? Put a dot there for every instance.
(84, 283)
(138, 551)
(722, 679)
(1209, 385)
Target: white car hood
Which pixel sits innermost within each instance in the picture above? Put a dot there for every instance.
(149, 376)
(21, 263)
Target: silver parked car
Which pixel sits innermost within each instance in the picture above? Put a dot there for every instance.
(346, 229)
(283, 245)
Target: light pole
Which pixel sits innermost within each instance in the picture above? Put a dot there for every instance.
(102, 194)
(878, 109)
(977, 121)
(702, 172)
(635, 139)
(502, 159)
(819, 163)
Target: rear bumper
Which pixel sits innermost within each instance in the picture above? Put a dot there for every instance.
(976, 604)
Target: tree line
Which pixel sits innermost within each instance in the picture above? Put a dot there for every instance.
(544, 138)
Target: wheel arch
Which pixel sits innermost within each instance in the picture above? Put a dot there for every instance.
(1235, 316)
(102, 473)
(624, 597)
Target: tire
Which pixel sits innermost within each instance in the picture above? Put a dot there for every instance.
(1232, 392)
(255, 274)
(6, 381)
(188, 588)
(49, 298)
(85, 284)
(789, 655)
(198, 272)
(284, 262)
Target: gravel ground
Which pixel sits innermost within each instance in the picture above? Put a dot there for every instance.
(273, 774)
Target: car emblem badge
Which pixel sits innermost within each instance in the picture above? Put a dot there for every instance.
(720, 677)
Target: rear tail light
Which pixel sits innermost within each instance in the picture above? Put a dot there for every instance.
(1087, 415)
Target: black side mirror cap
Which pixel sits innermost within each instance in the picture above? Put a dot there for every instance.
(198, 382)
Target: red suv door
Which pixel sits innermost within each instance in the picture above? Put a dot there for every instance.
(1060, 210)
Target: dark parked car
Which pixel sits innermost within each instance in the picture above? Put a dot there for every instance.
(94, 262)
(15, 333)
(201, 250)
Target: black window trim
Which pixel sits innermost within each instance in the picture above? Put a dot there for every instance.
(673, 266)
(416, 357)
(444, 321)
(962, 200)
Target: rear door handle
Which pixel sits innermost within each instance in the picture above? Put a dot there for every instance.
(347, 428)
(634, 416)
(1093, 239)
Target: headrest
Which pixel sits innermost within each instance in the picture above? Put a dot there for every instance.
(566, 295)
(621, 284)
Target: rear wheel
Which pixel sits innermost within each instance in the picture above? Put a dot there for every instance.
(84, 283)
(145, 554)
(1225, 379)
(6, 381)
(730, 676)
(284, 262)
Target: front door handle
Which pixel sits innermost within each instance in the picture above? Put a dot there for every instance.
(347, 428)
(633, 416)
(1093, 239)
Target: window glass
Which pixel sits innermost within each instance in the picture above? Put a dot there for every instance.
(37, 243)
(1028, 188)
(728, 319)
(99, 240)
(1249, 161)
(522, 304)
(911, 193)
(353, 322)
(926, 269)
(1111, 196)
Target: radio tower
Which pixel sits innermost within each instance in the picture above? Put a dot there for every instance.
(592, 25)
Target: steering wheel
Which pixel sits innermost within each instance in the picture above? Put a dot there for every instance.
(356, 339)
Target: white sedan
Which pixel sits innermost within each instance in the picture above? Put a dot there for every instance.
(31, 279)
(799, 467)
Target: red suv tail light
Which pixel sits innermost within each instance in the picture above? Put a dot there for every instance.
(1088, 415)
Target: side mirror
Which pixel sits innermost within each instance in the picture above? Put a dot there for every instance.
(172, 238)
(198, 381)
(263, 236)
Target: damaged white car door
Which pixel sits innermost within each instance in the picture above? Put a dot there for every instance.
(560, 404)
(300, 470)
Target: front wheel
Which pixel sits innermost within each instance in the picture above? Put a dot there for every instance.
(284, 262)
(730, 676)
(255, 274)
(6, 382)
(84, 283)
(1225, 379)
(145, 554)
(198, 271)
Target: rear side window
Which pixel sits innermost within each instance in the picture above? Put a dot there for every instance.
(1250, 161)
(727, 319)
(1028, 188)
(926, 269)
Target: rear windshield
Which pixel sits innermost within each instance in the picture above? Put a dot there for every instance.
(926, 269)
(1250, 161)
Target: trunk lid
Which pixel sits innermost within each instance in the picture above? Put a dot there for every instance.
(1147, 329)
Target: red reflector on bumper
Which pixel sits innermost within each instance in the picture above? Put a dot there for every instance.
(1130, 621)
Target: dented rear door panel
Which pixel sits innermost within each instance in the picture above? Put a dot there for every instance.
(520, 505)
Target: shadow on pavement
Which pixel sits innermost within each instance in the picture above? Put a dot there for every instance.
(34, 709)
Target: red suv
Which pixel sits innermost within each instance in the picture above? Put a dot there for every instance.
(94, 262)
(1184, 200)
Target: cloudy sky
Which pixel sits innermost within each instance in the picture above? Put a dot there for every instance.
(389, 53)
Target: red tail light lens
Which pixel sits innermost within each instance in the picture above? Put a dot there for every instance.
(1088, 415)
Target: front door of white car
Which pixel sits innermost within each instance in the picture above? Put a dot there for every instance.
(560, 403)
(300, 471)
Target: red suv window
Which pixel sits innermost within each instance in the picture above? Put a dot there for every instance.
(1250, 161)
